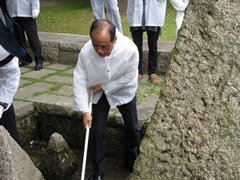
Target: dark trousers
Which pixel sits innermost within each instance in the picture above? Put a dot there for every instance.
(29, 26)
(137, 36)
(8, 121)
(99, 128)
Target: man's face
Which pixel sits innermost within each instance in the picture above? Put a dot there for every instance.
(102, 43)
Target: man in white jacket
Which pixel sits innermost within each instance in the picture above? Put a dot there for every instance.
(25, 12)
(9, 76)
(107, 65)
(149, 16)
(9, 81)
(98, 8)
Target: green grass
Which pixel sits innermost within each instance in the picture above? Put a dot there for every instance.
(70, 16)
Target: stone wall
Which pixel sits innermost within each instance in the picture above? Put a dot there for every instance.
(64, 48)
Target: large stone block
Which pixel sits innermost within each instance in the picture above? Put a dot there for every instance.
(50, 50)
(14, 161)
(194, 131)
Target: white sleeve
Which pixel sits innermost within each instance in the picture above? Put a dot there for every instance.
(35, 5)
(9, 81)
(179, 5)
(80, 89)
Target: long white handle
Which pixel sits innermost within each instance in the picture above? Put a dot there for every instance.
(85, 154)
(86, 140)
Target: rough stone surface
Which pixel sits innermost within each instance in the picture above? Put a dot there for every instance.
(14, 162)
(60, 161)
(194, 131)
(51, 50)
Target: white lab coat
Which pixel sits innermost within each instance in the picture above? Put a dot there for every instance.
(155, 11)
(180, 6)
(22, 8)
(116, 73)
(9, 78)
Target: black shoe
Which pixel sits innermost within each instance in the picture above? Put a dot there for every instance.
(23, 63)
(38, 66)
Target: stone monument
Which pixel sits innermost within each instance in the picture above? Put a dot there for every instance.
(195, 130)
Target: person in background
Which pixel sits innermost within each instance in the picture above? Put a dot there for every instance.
(98, 8)
(107, 65)
(180, 6)
(24, 13)
(9, 37)
(149, 16)
(9, 82)
(10, 48)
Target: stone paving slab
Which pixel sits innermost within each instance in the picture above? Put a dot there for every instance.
(63, 37)
(60, 79)
(65, 90)
(69, 71)
(52, 99)
(29, 91)
(58, 66)
(38, 74)
(144, 108)
(25, 69)
(23, 82)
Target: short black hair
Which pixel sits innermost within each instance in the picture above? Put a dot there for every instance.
(101, 23)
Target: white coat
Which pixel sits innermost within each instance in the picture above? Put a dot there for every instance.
(155, 11)
(180, 6)
(117, 74)
(9, 78)
(23, 8)
(9, 75)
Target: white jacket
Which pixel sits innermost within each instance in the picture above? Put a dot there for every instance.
(117, 74)
(9, 78)
(180, 6)
(9, 75)
(23, 8)
(155, 11)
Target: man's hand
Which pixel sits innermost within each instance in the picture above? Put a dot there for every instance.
(1, 111)
(35, 14)
(96, 88)
(87, 120)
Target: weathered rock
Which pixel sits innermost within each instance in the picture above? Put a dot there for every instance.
(60, 161)
(14, 162)
(194, 131)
